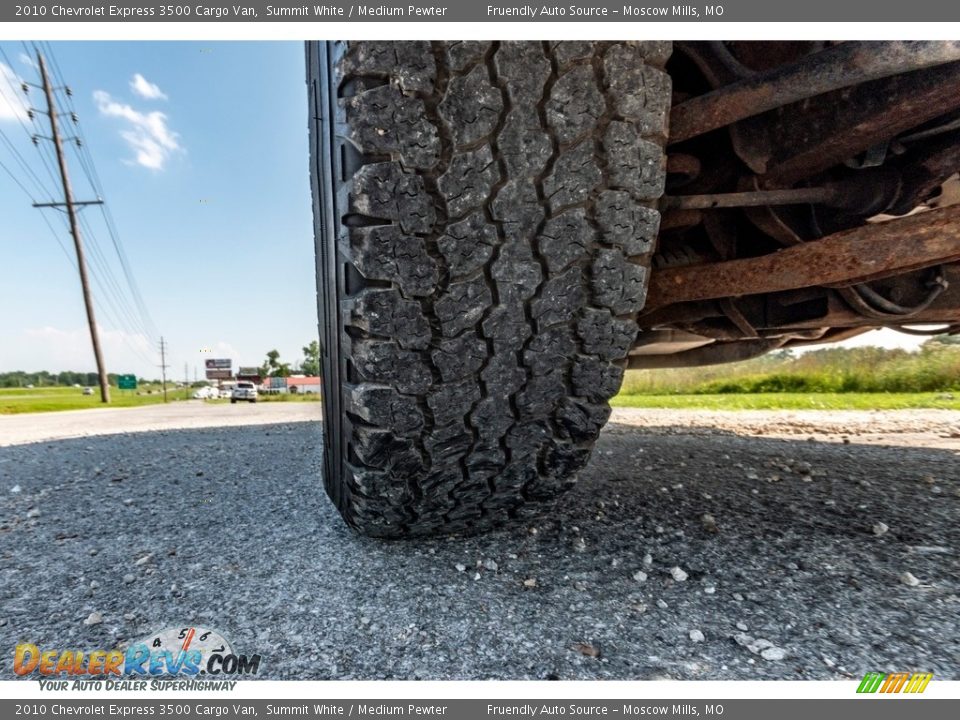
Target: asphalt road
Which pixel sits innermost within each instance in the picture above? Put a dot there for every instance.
(686, 551)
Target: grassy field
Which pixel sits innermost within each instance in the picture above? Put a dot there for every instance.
(793, 401)
(47, 399)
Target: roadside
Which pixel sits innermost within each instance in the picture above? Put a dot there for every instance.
(905, 428)
(42, 427)
(792, 401)
(910, 428)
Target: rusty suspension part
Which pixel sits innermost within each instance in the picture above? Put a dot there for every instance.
(865, 253)
(841, 66)
(753, 198)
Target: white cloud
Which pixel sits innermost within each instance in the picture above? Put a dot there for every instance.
(27, 60)
(11, 96)
(147, 134)
(146, 89)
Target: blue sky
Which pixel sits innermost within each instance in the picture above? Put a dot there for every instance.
(202, 153)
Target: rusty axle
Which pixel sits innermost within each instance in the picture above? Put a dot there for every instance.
(865, 253)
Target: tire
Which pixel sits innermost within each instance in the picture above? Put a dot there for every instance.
(232, 401)
(485, 217)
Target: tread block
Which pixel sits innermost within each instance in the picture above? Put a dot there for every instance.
(640, 93)
(525, 68)
(604, 335)
(409, 63)
(460, 357)
(385, 253)
(461, 54)
(385, 450)
(580, 421)
(384, 120)
(562, 462)
(516, 273)
(472, 106)
(384, 406)
(468, 244)
(502, 371)
(565, 239)
(596, 380)
(467, 183)
(387, 314)
(626, 223)
(447, 444)
(560, 298)
(652, 52)
(451, 402)
(524, 439)
(384, 190)
(492, 417)
(507, 325)
(524, 145)
(517, 206)
(634, 164)
(541, 394)
(618, 283)
(485, 461)
(566, 51)
(462, 305)
(550, 349)
(378, 361)
(575, 104)
(574, 176)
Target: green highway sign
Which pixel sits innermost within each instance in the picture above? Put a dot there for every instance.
(127, 382)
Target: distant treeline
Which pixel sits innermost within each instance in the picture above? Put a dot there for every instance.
(934, 368)
(19, 378)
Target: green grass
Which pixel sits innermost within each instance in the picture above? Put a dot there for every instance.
(14, 401)
(793, 401)
(49, 399)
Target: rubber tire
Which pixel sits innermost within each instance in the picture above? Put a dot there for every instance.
(485, 216)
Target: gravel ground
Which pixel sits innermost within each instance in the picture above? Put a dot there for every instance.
(686, 551)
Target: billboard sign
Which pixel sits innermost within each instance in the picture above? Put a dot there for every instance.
(219, 374)
(218, 363)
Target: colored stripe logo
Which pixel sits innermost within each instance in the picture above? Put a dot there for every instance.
(894, 682)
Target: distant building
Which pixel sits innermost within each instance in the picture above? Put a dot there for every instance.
(303, 384)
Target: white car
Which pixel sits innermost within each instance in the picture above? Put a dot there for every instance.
(244, 391)
(206, 393)
(225, 393)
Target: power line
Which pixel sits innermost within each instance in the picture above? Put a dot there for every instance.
(89, 167)
(75, 231)
(133, 318)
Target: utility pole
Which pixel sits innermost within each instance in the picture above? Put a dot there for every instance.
(186, 381)
(163, 366)
(74, 228)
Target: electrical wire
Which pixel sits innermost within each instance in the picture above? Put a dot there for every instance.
(90, 171)
(111, 301)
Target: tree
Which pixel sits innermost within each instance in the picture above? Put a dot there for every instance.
(311, 359)
(273, 367)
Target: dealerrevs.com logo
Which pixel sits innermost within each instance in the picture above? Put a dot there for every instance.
(172, 652)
